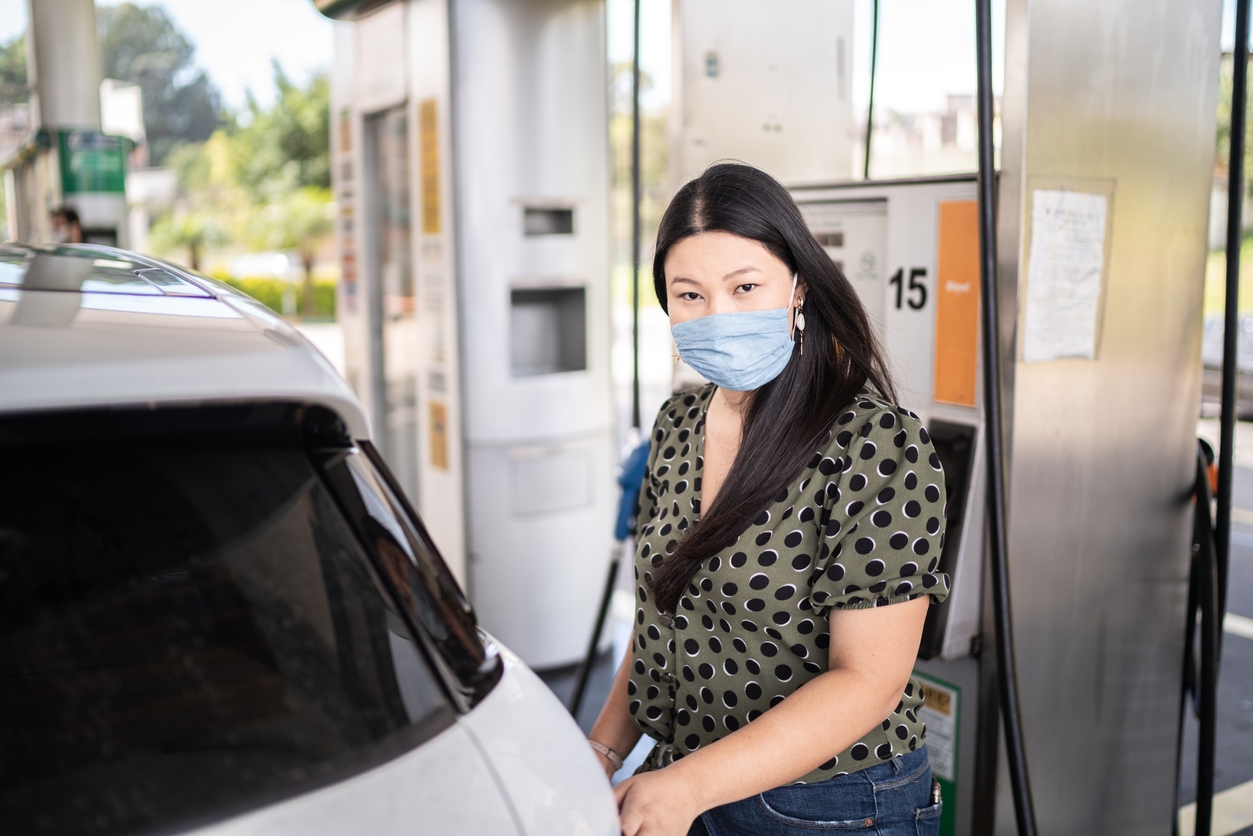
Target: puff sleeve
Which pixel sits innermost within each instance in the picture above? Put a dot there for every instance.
(882, 521)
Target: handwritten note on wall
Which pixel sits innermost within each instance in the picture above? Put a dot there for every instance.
(1064, 275)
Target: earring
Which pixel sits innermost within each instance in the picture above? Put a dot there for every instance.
(800, 321)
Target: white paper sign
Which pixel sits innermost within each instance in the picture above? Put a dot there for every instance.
(1064, 275)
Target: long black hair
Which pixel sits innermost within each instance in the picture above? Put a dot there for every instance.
(788, 417)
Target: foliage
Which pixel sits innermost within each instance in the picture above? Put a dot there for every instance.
(1216, 277)
(191, 231)
(299, 221)
(288, 146)
(13, 71)
(141, 45)
(207, 175)
(270, 292)
(1222, 145)
(264, 185)
(654, 176)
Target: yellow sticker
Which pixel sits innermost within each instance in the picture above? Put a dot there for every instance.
(429, 143)
(345, 131)
(937, 699)
(439, 435)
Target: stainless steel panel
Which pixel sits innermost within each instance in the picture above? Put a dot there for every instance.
(1102, 450)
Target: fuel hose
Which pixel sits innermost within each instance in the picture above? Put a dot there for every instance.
(1007, 678)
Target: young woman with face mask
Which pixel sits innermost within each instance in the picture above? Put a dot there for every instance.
(788, 535)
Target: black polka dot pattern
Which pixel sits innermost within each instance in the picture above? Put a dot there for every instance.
(860, 527)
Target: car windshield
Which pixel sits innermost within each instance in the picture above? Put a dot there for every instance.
(187, 632)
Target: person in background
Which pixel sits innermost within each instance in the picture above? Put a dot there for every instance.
(789, 530)
(66, 227)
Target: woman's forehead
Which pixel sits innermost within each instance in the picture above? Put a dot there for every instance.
(714, 256)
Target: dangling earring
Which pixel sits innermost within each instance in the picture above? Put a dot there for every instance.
(800, 321)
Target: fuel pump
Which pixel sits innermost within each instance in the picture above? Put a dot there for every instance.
(471, 171)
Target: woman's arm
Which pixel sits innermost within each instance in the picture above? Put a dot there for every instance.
(614, 727)
(871, 658)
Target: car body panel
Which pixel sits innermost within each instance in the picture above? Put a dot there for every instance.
(548, 770)
(159, 338)
(404, 796)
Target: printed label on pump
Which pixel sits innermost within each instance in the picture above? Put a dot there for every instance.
(428, 140)
(941, 711)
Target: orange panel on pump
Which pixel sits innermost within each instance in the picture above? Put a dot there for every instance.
(957, 303)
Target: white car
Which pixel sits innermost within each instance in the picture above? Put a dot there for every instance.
(218, 614)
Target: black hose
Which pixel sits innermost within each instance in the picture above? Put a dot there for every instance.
(874, 55)
(585, 666)
(1231, 304)
(997, 532)
(1212, 555)
(589, 658)
(1203, 587)
(1202, 539)
(636, 229)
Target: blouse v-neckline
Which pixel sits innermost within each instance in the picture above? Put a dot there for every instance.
(698, 465)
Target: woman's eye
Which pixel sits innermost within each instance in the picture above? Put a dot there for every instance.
(745, 288)
(690, 296)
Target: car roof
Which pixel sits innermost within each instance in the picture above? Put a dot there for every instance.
(86, 326)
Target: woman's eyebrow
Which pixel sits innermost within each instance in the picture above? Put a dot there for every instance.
(683, 280)
(734, 274)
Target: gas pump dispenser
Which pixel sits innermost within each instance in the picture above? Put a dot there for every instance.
(471, 171)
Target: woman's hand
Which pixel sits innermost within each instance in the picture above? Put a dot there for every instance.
(656, 803)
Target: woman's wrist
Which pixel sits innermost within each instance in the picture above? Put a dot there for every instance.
(610, 760)
(688, 776)
(606, 765)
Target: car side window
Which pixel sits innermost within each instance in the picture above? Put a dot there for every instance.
(186, 633)
(424, 585)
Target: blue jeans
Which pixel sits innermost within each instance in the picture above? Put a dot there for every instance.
(890, 799)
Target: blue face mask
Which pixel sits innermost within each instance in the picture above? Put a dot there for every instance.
(741, 350)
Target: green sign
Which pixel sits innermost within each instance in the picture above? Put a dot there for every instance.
(941, 711)
(92, 162)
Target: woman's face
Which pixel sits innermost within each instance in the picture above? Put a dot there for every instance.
(717, 272)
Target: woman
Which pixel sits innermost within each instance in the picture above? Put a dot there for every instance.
(788, 535)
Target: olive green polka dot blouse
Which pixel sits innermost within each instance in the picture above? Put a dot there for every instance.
(861, 526)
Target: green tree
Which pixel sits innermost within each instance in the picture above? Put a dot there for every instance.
(288, 146)
(13, 71)
(192, 231)
(142, 46)
(300, 221)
